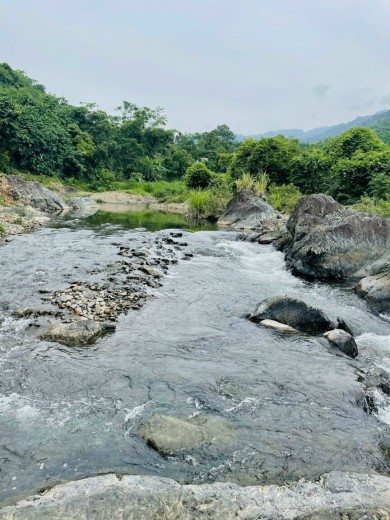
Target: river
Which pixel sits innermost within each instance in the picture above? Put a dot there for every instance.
(296, 404)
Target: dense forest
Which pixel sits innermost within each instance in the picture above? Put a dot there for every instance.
(44, 135)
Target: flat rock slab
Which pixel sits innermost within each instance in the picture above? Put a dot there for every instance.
(146, 498)
(169, 435)
(280, 327)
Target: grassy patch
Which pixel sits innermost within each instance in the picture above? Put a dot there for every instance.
(284, 197)
(2, 230)
(198, 201)
(377, 207)
(249, 183)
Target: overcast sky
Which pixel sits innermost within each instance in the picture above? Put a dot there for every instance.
(256, 65)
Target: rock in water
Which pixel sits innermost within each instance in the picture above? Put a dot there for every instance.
(295, 313)
(169, 435)
(326, 240)
(343, 341)
(329, 241)
(248, 211)
(34, 194)
(376, 288)
(77, 333)
(280, 327)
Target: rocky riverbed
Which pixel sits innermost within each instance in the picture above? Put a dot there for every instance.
(130, 352)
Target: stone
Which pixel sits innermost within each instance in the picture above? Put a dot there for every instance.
(324, 240)
(343, 341)
(295, 313)
(35, 195)
(118, 497)
(247, 211)
(169, 435)
(280, 327)
(375, 289)
(77, 333)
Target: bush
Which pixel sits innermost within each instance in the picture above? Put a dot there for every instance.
(104, 180)
(284, 197)
(198, 201)
(198, 176)
(2, 230)
(368, 205)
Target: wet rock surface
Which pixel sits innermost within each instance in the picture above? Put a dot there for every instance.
(294, 313)
(347, 496)
(76, 333)
(169, 435)
(343, 341)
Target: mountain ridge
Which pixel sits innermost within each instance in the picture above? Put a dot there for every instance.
(379, 122)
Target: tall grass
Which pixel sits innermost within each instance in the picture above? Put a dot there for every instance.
(249, 183)
(197, 202)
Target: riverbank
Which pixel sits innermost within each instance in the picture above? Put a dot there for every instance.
(122, 198)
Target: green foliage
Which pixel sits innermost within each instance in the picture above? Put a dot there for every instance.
(85, 147)
(104, 181)
(272, 155)
(284, 197)
(197, 202)
(2, 230)
(198, 176)
(369, 205)
(310, 170)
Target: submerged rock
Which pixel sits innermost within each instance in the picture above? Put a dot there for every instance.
(295, 313)
(34, 194)
(343, 341)
(77, 333)
(142, 497)
(248, 211)
(169, 435)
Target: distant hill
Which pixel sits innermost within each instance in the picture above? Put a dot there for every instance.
(379, 122)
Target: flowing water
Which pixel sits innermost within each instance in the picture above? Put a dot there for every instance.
(295, 403)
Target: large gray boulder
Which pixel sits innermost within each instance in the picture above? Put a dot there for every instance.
(249, 211)
(295, 313)
(326, 241)
(34, 194)
(329, 241)
(150, 498)
(169, 435)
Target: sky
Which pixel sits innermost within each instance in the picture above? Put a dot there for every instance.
(255, 65)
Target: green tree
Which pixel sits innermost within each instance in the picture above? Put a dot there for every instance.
(198, 176)
(272, 155)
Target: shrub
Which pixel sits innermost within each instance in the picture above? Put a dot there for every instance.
(283, 197)
(378, 207)
(198, 201)
(2, 230)
(198, 176)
